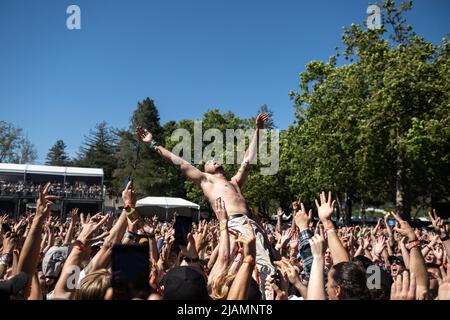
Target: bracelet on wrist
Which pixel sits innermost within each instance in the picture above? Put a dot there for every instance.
(250, 261)
(331, 229)
(78, 244)
(412, 244)
(153, 144)
(129, 205)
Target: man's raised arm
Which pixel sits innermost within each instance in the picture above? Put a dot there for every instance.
(241, 176)
(186, 168)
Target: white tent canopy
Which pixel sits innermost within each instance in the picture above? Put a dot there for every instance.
(52, 170)
(166, 202)
(165, 207)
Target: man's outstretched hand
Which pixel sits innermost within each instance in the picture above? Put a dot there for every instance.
(260, 120)
(144, 135)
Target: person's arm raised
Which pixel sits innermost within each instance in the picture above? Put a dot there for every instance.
(280, 214)
(441, 229)
(103, 257)
(79, 250)
(241, 176)
(191, 172)
(223, 257)
(153, 248)
(241, 283)
(74, 217)
(29, 256)
(316, 286)
(391, 241)
(417, 262)
(302, 221)
(325, 210)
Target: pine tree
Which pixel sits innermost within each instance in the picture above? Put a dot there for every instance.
(99, 151)
(57, 155)
(136, 160)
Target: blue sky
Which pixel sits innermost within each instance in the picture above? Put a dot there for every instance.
(189, 56)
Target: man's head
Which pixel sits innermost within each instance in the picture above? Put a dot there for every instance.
(328, 258)
(185, 283)
(213, 167)
(346, 281)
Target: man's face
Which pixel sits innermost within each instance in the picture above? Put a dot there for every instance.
(212, 166)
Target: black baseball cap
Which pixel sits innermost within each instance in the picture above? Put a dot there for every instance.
(397, 259)
(13, 285)
(185, 283)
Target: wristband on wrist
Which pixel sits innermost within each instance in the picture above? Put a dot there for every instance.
(412, 244)
(129, 205)
(332, 229)
(250, 261)
(80, 246)
(153, 144)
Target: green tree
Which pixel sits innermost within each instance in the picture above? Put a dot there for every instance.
(98, 151)
(137, 160)
(57, 155)
(376, 127)
(14, 146)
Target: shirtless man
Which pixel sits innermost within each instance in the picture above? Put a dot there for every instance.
(215, 185)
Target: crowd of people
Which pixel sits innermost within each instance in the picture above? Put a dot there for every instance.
(236, 256)
(309, 258)
(66, 190)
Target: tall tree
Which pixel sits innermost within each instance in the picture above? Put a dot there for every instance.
(360, 124)
(57, 155)
(98, 151)
(137, 159)
(14, 146)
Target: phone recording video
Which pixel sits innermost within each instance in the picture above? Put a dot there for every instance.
(130, 272)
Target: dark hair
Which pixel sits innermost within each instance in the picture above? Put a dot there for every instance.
(351, 278)
(430, 265)
(362, 261)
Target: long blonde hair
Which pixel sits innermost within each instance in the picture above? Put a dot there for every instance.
(94, 285)
(220, 285)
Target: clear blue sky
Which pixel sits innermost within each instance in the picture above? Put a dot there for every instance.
(189, 56)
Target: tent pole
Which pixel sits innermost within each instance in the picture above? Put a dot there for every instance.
(167, 213)
(198, 214)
